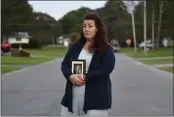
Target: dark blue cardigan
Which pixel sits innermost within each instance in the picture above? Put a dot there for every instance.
(98, 94)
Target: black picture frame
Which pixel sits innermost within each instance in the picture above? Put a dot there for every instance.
(78, 66)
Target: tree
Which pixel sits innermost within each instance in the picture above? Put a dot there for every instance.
(156, 9)
(115, 15)
(163, 5)
(168, 21)
(15, 12)
(153, 19)
(72, 20)
(73, 36)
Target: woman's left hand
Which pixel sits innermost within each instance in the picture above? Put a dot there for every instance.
(82, 77)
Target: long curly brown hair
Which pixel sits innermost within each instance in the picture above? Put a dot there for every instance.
(100, 42)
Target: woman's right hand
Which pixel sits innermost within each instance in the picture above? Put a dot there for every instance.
(77, 79)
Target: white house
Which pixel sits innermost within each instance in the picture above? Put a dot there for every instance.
(63, 41)
(19, 38)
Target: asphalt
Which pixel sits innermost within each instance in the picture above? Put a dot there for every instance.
(138, 90)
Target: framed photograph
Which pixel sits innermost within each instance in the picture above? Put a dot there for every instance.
(78, 66)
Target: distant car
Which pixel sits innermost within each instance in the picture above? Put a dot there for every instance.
(116, 48)
(5, 47)
(141, 45)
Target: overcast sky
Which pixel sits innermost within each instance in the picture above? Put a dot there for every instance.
(58, 9)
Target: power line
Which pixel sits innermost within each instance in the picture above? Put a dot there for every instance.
(54, 24)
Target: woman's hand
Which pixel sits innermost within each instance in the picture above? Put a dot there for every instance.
(77, 79)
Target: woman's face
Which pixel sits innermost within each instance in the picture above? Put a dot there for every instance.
(89, 29)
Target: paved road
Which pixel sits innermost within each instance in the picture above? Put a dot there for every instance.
(142, 90)
(137, 90)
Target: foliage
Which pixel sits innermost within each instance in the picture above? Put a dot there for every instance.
(73, 36)
(18, 15)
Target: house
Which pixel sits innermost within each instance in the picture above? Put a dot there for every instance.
(19, 38)
(63, 41)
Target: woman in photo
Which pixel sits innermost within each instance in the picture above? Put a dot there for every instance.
(78, 69)
(89, 94)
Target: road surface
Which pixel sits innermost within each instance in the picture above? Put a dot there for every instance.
(137, 90)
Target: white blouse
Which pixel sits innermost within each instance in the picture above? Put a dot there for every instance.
(86, 56)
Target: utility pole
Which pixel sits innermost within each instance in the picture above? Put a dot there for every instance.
(131, 5)
(134, 35)
(145, 33)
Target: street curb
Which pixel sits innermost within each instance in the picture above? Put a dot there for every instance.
(158, 71)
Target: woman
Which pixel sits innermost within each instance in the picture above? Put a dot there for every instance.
(89, 94)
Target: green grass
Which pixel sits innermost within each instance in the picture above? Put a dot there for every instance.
(5, 69)
(23, 60)
(157, 61)
(169, 69)
(161, 52)
(49, 51)
(127, 50)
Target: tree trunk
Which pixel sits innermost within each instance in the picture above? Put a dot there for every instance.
(145, 29)
(159, 25)
(53, 41)
(153, 35)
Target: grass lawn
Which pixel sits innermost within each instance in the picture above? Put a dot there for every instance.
(161, 52)
(23, 60)
(127, 50)
(5, 69)
(157, 61)
(49, 51)
(169, 69)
